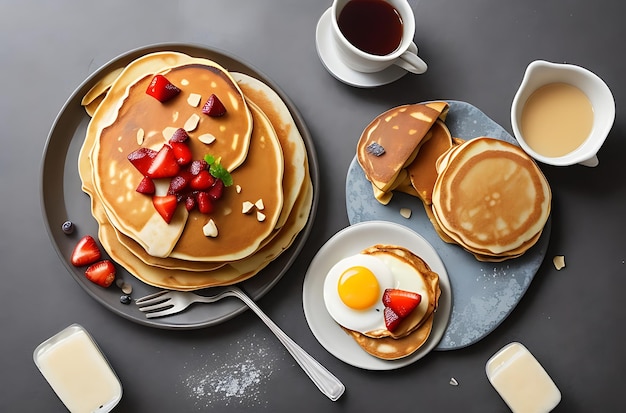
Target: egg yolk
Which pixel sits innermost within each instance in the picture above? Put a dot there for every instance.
(358, 288)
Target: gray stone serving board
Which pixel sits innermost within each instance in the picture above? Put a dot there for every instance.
(483, 294)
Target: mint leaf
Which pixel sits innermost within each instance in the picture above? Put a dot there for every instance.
(218, 171)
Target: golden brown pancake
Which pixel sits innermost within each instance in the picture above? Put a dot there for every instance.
(290, 139)
(128, 112)
(229, 273)
(491, 198)
(260, 178)
(388, 348)
(423, 171)
(391, 141)
(415, 329)
(191, 275)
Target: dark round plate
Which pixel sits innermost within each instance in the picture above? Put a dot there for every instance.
(62, 199)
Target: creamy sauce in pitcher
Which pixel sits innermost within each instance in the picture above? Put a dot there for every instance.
(556, 119)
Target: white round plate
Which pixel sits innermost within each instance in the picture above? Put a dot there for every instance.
(352, 240)
(327, 52)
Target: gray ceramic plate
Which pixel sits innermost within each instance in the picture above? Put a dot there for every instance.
(483, 294)
(62, 199)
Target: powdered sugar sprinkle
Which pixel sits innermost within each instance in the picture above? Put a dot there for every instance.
(229, 378)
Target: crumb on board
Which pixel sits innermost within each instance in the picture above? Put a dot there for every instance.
(559, 262)
(405, 212)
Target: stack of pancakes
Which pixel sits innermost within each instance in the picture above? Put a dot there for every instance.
(413, 332)
(257, 141)
(484, 194)
(490, 198)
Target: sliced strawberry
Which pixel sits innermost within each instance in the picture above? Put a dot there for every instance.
(101, 273)
(179, 183)
(146, 186)
(165, 206)
(142, 158)
(182, 153)
(400, 301)
(203, 181)
(214, 107)
(85, 252)
(216, 190)
(180, 135)
(190, 202)
(197, 166)
(392, 320)
(162, 89)
(164, 164)
(205, 204)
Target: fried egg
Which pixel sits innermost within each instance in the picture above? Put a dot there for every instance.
(354, 287)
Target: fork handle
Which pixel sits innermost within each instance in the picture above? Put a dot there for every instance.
(323, 379)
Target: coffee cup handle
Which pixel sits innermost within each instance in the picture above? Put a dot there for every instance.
(410, 61)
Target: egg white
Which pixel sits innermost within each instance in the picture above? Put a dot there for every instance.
(390, 271)
(357, 320)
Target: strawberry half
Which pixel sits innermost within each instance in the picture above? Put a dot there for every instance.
(164, 164)
(146, 186)
(162, 89)
(216, 190)
(180, 135)
(392, 319)
(182, 153)
(205, 204)
(165, 206)
(142, 159)
(400, 301)
(202, 181)
(101, 273)
(85, 252)
(214, 107)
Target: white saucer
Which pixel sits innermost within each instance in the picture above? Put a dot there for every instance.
(327, 52)
(352, 240)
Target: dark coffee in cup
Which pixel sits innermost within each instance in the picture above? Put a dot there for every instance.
(373, 26)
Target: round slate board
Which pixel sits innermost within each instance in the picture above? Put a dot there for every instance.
(483, 294)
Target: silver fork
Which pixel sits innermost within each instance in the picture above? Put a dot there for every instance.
(171, 302)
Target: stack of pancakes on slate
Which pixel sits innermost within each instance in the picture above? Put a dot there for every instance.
(483, 194)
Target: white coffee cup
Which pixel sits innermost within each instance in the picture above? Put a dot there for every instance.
(540, 73)
(404, 56)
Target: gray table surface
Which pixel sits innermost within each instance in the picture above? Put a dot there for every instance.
(572, 320)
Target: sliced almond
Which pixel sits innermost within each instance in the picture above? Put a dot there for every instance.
(194, 99)
(140, 136)
(259, 205)
(559, 262)
(206, 138)
(210, 229)
(405, 212)
(238, 188)
(246, 207)
(260, 216)
(192, 122)
(168, 132)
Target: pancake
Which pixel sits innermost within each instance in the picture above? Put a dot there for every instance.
(290, 139)
(430, 291)
(391, 141)
(491, 198)
(182, 274)
(226, 274)
(414, 330)
(423, 171)
(388, 348)
(240, 234)
(127, 112)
